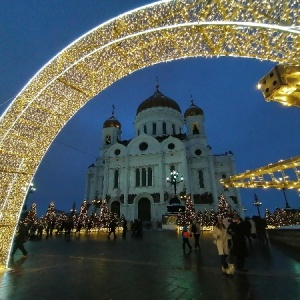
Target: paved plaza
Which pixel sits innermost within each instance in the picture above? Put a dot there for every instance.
(151, 267)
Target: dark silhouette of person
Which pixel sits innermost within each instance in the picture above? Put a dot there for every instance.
(20, 238)
(261, 228)
(185, 238)
(195, 230)
(112, 228)
(124, 226)
(238, 232)
(40, 228)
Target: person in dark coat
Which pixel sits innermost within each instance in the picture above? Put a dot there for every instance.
(20, 238)
(112, 228)
(238, 232)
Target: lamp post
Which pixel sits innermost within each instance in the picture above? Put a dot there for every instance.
(31, 190)
(73, 210)
(257, 204)
(174, 180)
(283, 190)
(286, 202)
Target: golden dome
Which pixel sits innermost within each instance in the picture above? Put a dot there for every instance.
(158, 99)
(193, 110)
(112, 122)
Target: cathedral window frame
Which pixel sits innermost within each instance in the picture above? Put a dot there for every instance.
(143, 177)
(154, 128)
(116, 179)
(164, 128)
(201, 179)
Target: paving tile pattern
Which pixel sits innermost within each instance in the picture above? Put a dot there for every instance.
(151, 267)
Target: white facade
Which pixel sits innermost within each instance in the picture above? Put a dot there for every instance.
(132, 174)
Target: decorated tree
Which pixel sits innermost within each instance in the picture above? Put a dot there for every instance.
(223, 207)
(189, 214)
(31, 218)
(104, 214)
(269, 218)
(82, 219)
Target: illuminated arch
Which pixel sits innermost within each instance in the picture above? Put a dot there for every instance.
(162, 31)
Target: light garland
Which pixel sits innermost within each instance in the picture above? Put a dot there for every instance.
(268, 176)
(160, 32)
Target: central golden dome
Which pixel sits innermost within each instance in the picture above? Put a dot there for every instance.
(158, 99)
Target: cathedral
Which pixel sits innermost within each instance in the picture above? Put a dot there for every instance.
(168, 160)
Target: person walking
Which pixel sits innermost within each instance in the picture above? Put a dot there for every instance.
(124, 226)
(185, 238)
(112, 228)
(238, 232)
(195, 230)
(20, 238)
(221, 240)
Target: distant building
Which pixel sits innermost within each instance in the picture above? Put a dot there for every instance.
(131, 174)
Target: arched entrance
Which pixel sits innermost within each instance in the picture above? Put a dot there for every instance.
(169, 30)
(115, 207)
(144, 209)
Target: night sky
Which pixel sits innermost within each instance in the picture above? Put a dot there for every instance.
(237, 117)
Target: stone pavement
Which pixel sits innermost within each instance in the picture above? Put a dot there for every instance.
(151, 267)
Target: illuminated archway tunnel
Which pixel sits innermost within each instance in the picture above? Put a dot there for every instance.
(160, 32)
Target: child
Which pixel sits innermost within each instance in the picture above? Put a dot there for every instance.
(185, 238)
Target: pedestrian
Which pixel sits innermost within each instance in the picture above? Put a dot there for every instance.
(185, 238)
(251, 234)
(20, 238)
(238, 233)
(124, 226)
(112, 228)
(261, 227)
(195, 230)
(221, 240)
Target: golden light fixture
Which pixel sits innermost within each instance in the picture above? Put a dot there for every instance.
(282, 84)
(159, 32)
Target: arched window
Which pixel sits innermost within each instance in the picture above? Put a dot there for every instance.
(108, 140)
(154, 128)
(195, 129)
(116, 179)
(138, 132)
(164, 127)
(149, 177)
(173, 128)
(145, 129)
(144, 183)
(172, 168)
(201, 180)
(137, 177)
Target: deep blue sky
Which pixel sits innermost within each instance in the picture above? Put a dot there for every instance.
(237, 116)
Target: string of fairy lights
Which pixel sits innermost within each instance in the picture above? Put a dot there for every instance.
(273, 175)
(159, 32)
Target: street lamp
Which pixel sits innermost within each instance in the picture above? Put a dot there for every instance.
(174, 179)
(283, 190)
(73, 210)
(31, 189)
(257, 204)
(184, 196)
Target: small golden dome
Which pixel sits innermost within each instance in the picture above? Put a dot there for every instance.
(193, 110)
(112, 122)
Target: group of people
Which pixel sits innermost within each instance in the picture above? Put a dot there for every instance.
(230, 237)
